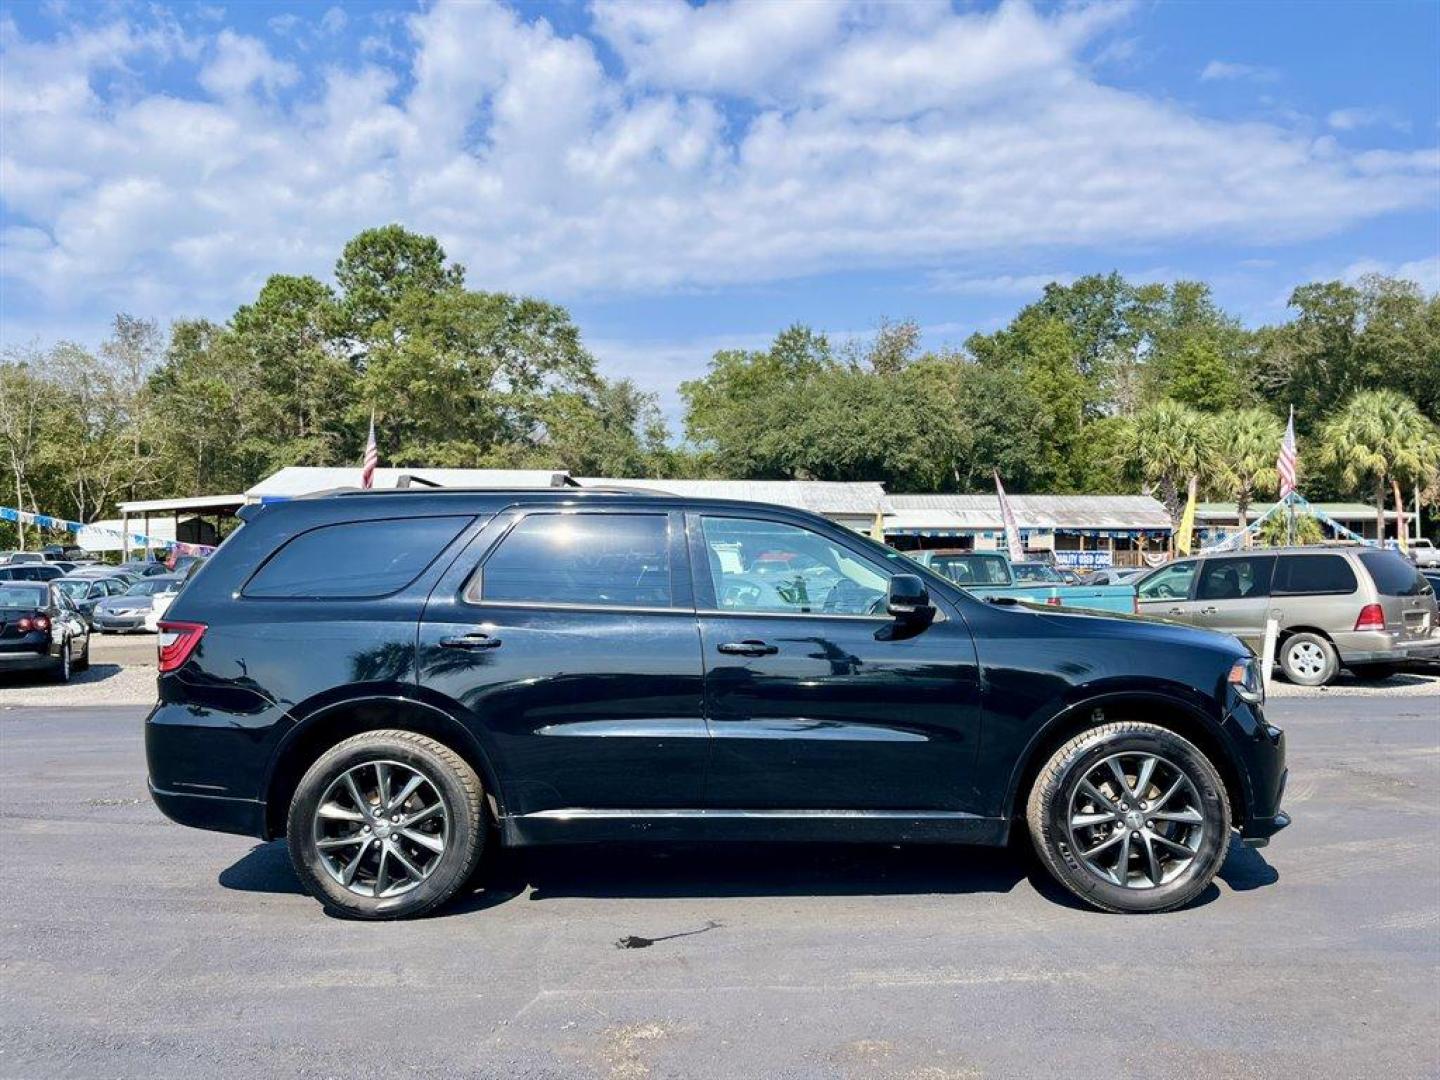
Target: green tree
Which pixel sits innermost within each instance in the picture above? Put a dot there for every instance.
(1380, 439)
(1248, 443)
(1168, 444)
(379, 267)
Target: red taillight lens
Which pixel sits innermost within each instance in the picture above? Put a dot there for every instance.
(1372, 617)
(41, 622)
(177, 641)
(25, 624)
(1053, 601)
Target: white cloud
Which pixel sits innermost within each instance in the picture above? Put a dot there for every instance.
(242, 62)
(334, 20)
(1226, 70)
(1424, 272)
(1354, 118)
(736, 142)
(1027, 285)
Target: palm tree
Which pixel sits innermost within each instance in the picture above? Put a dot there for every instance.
(1170, 443)
(1379, 438)
(1249, 443)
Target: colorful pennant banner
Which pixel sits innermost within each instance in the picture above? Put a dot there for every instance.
(136, 540)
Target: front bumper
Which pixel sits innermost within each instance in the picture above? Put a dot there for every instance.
(1259, 753)
(129, 621)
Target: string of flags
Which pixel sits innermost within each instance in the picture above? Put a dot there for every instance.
(136, 540)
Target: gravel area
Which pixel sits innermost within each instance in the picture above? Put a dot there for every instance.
(103, 684)
(1407, 685)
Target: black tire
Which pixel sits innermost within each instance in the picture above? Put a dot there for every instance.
(1309, 660)
(453, 780)
(1375, 672)
(1048, 809)
(61, 672)
(83, 664)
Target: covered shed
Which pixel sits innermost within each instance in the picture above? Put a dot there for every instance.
(853, 504)
(1082, 530)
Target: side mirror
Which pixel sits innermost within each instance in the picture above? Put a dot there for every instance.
(908, 598)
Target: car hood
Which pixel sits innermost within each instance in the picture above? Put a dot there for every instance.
(1138, 629)
(118, 604)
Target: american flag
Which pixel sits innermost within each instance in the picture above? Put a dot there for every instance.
(372, 458)
(1287, 461)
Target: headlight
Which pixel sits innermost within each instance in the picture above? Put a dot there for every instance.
(1247, 680)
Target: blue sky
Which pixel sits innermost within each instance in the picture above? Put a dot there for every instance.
(688, 177)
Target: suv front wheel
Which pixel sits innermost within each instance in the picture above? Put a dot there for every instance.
(1130, 817)
(385, 825)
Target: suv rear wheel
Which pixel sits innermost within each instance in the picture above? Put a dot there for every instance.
(1130, 817)
(1308, 659)
(385, 825)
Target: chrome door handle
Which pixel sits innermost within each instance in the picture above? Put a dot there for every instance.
(471, 641)
(1176, 611)
(1208, 610)
(747, 648)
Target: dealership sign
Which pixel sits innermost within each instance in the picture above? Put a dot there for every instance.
(1085, 560)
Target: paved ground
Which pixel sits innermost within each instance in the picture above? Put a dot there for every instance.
(130, 947)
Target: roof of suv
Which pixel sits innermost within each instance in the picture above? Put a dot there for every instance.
(1298, 549)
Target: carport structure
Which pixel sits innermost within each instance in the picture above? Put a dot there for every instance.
(200, 519)
(1086, 530)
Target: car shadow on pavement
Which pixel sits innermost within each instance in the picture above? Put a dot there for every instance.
(655, 871)
(95, 673)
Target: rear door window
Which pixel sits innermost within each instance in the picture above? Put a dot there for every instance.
(1392, 573)
(1302, 575)
(355, 559)
(594, 560)
(1236, 579)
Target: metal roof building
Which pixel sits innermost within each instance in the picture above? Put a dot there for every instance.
(954, 515)
(853, 504)
(296, 480)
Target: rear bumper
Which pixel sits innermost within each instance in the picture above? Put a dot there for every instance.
(1393, 652)
(218, 813)
(26, 661)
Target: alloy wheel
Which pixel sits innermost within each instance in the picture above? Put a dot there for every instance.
(381, 828)
(1135, 820)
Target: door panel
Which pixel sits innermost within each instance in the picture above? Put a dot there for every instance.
(1232, 595)
(581, 705)
(1166, 594)
(817, 710)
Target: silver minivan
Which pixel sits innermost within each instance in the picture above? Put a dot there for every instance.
(1360, 608)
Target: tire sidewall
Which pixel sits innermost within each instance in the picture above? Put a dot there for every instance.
(63, 668)
(1332, 662)
(465, 831)
(1214, 806)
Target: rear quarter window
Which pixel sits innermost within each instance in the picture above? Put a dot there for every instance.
(1314, 575)
(1393, 575)
(353, 560)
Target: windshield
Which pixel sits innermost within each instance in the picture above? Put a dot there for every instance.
(972, 569)
(1035, 572)
(76, 590)
(151, 587)
(28, 597)
(1392, 573)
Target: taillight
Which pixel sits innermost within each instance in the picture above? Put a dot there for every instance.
(1053, 601)
(1372, 617)
(177, 640)
(32, 622)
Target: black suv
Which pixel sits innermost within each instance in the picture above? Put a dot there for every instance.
(385, 677)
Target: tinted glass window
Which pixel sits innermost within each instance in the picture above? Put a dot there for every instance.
(1314, 574)
(619, 560)
(768, 566)
(360, 558)
(1032, 572)
(1170, 583)
(1235, 579)
(1392, 573)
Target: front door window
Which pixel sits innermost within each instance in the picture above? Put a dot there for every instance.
(768, 566)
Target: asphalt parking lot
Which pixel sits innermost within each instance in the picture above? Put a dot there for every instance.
(131, 947)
